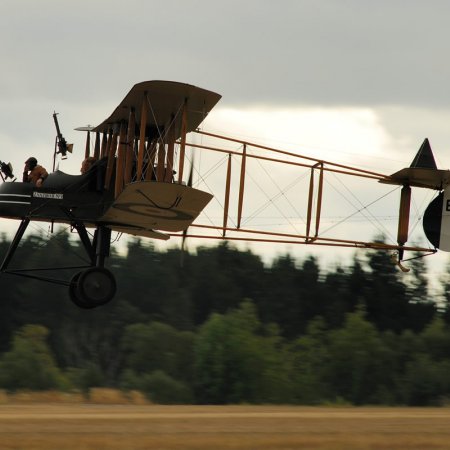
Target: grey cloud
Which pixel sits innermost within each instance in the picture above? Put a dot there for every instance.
(291, 52)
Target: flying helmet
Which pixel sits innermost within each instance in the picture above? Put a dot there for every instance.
(32, 162)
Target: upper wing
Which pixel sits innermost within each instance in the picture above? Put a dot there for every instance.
(165, 101)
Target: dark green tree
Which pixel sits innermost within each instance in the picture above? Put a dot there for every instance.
(422, 308)
(309, 357)
(29, 364)
(235, 363)
(293, 296)
(158, 346)
(425, 381)
(358, 363)
(221, 277)
(385, 297)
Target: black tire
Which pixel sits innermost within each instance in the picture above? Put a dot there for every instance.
(96, 286)
(75, 294)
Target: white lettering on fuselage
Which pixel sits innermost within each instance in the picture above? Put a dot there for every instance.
(48, 195)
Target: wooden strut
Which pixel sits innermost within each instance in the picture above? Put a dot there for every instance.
(129, 147)
(120, 160)
(168, 176)
(299, 239)
(403, 220)
(310, 203)
(182, 142)
(352, 170)
(109, 142)
(310, 238)
(364, 245)
(151, 150)
(308, 158)
(112, 146)
(97, 146)
(141, 149)
(88, 145)
(319, 201)
(241, 186)
(104, 145)
(160, 169)
(227, 196)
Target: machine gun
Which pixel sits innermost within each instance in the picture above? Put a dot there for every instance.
(6, 171)
(61, 145)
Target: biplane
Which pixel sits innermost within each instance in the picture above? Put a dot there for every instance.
(140, 185)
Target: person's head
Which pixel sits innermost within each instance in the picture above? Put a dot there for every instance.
(87, 164)
(31, 163)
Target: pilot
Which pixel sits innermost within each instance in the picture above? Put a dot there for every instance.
(33, 172)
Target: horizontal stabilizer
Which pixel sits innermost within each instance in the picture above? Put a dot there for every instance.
(418, 177)
(422, 172)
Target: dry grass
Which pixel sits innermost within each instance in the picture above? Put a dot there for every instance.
(105, 396)
(42, 397)
(101, 396)
(130, 427)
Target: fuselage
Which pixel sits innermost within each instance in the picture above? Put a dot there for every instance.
(141, 207)
(61, 198)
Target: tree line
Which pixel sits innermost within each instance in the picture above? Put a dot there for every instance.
(224, 327)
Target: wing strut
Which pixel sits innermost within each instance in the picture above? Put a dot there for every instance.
(168, 176)
(112, 144)
(403, 220)
(120, 164)
(140, 161)
(14, 244)
(241, 185)
(310, 238)
(129, 147)
(227, 196)
(182, 142)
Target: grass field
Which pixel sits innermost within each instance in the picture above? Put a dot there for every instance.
(49, 426)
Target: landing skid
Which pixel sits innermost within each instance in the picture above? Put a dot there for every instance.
(91, 287)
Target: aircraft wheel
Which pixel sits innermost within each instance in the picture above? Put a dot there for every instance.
(75, 295)
(96, 286)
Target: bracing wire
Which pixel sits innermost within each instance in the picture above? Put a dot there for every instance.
(282, 192)
(374, 220)
(271, 202)
(363, 208)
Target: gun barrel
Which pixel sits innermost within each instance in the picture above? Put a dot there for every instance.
(55, 119)
(62, 143)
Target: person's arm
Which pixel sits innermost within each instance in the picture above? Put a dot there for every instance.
(25, 175)
(42, 176)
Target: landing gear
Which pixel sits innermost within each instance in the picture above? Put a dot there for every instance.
(93, 287)
(96, 285)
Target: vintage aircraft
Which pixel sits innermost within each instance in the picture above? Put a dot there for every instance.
(137, 186)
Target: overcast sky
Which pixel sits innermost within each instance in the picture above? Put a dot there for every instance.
(382, 67)
(87, 54)
(292, 51)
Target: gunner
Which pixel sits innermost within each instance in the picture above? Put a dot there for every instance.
(33, 172)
